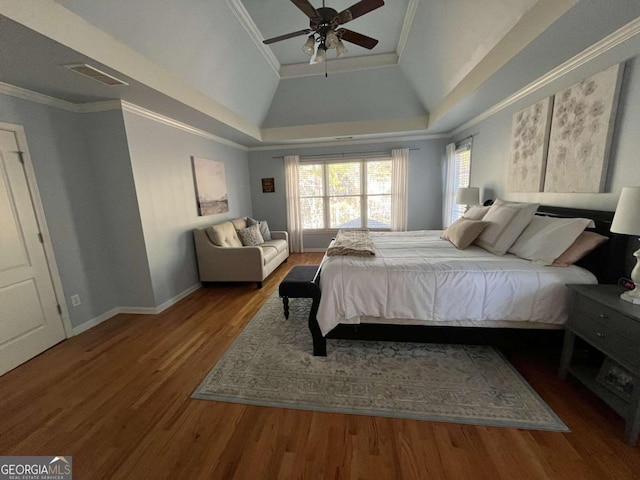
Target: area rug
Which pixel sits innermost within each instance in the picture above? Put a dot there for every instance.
(271, 364)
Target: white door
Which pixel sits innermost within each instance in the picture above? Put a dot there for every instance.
(29, 318)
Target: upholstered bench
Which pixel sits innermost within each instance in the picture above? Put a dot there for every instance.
(298, 284)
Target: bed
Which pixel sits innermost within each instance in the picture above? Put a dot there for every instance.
(418, 281)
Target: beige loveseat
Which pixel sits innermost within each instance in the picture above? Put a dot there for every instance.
(223, 258)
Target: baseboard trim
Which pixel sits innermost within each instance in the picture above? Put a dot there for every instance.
(315, 250)
(83, 327)
(162, 307)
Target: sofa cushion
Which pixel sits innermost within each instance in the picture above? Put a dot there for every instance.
(240, 223)
(280, 245)
(268, 253)
(224, 235)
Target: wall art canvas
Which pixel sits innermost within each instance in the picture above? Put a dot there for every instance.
(211, 186)
(529, 144)
(581, 130)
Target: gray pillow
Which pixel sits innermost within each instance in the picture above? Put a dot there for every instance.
(264, 230)
(251, 222)
(250, 236)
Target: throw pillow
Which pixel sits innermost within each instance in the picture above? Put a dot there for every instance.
(250, 236)
(584, 244)
(545, 238)
(463, 232)
(262, 225)
(264, 230)
(476, 212)
(507, 220)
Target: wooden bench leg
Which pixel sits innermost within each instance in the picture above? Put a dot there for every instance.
(319, 342)
(285, 304)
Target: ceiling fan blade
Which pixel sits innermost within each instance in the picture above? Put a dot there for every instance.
(357, 38)
(358, 9)
(306, 8)
(288, 35)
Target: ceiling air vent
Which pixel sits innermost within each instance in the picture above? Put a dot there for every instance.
(95, 74)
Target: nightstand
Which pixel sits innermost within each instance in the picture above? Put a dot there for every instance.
(612, 326)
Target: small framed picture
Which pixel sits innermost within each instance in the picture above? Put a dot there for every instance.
(617, 379)
(268, 185)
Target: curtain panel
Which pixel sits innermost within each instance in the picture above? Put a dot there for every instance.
(294, 222)
(449, 185)
(400, 160)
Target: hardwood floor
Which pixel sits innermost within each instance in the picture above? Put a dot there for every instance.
(117, 398)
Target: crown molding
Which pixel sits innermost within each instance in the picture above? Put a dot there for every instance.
(611, 41)
(339, 65)
(355, 141)
(412, 8)
(157, 117)
(29, 95)
(535, 21)
(320, 132)
(238, 10)
(94, 107)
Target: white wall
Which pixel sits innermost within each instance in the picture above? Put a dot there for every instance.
(425, 183)
(162, 171)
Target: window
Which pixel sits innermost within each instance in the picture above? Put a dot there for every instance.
(346, 194)
(458, 173)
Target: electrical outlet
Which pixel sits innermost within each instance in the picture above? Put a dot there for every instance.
(75, 300)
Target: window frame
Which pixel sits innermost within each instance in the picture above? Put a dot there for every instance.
(363, 161)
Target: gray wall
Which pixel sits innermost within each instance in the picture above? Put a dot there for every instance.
(108, 155)
(425, 184)
(162, 171)
(491, 146)
(73, 211)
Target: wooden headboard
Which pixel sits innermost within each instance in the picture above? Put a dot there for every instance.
(608, 261)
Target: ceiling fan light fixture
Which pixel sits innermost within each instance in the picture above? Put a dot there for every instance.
(340, 49)
(332, 39)
(309, 45)
(320, 56)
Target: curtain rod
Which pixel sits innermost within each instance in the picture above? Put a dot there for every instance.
(467, 138)
(344, 155)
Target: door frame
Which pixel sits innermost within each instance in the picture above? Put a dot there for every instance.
(36, 201)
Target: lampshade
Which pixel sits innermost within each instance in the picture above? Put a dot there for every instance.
(332, 39)
(320, 55)
(340, 49)
(309, 45)
(627, 217)
(468, 196)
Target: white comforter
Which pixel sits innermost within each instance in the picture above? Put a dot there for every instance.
(418, 277)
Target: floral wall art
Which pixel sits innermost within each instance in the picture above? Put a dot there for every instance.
(581, 131)
(529, 144)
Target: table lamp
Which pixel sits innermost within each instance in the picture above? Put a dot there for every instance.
(468, 196)
(627, 221)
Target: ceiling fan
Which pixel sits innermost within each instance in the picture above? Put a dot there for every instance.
(323, 27)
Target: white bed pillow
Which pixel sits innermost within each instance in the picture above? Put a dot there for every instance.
(476, 212)
(545, 238)
(507, 220)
